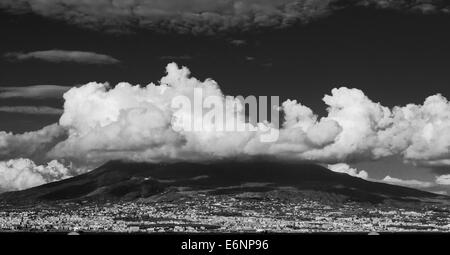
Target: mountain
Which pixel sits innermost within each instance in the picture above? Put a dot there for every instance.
(117, 180)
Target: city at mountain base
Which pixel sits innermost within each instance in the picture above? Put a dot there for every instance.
(221, 197)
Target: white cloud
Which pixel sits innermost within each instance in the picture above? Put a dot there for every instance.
(407, 183)
(36, 91)
(418, 132)
(369, 130)
(344, 168)
(360, 119)
(138, 123)
(443, 179)
(58, 56)
(45, 110)
(33, 144)
(100, 123)
(19, 174)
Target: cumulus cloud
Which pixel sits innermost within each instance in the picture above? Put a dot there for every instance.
(420, 132)
(140, 123)
(360, 119)
(202, 16)
(19, 174)
(407, 183)
(32, 145)
(369, 130)
(59, 56)
(42, 110)
(148, 123)
(35, 91)
(443, 179)
(345, 168)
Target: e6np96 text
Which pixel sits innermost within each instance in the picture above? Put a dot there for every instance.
(246, 245)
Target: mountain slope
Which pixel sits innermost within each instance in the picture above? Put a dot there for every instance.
(118, 180)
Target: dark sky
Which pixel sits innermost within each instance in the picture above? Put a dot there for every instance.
(395, 58)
